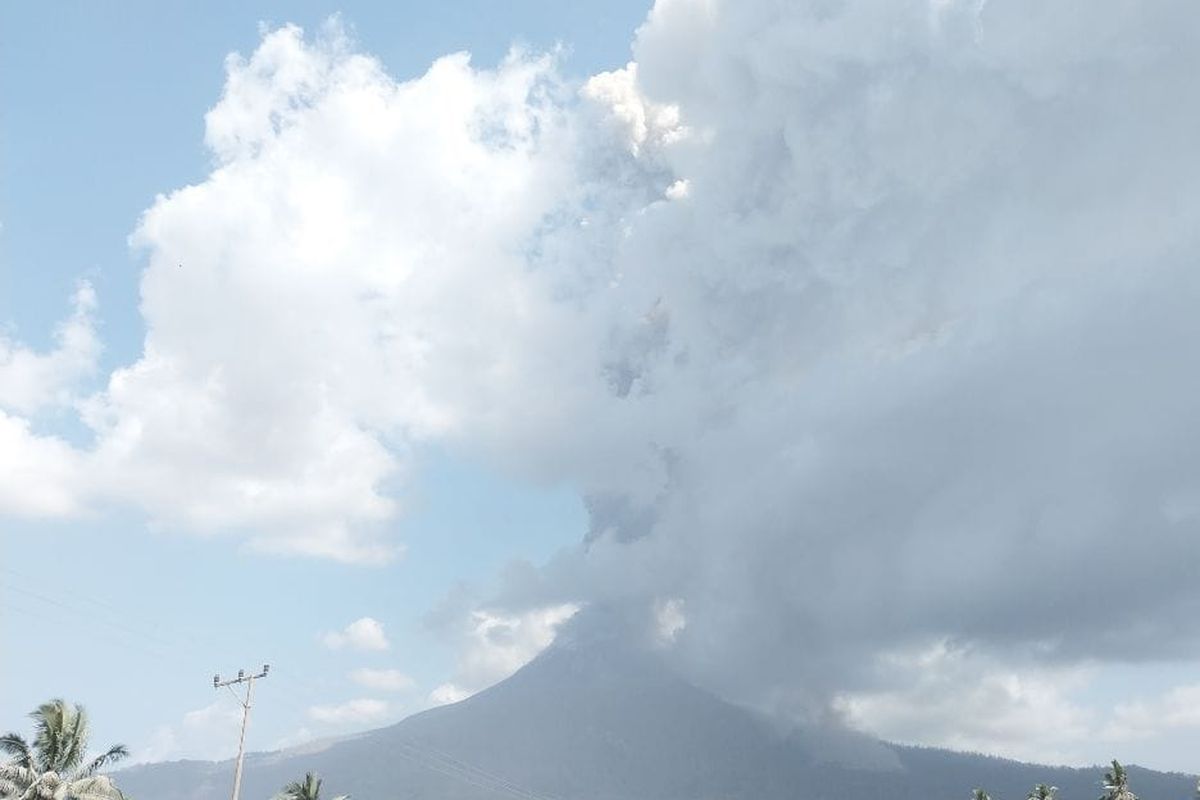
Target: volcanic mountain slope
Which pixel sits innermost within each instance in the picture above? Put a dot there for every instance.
(594, 721)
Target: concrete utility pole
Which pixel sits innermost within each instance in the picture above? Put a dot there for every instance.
(249, 680)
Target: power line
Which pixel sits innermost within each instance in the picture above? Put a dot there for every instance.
(300, 691)
(182, 652)
(455, 763)
(479, 781)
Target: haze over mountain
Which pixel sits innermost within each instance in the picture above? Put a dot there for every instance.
(596, 718)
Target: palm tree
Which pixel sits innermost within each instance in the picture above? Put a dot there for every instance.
(54, 767)
(307, 789)
(1116, 784)
(980, 794)
(1042, 792)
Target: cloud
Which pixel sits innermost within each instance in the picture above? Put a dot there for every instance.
(448, 693)
(641, 122)
(288, 370)
(669, 619)
(494, 645)
(40, 476)
(906, 360)
(1178, 708)
(31, 381)
(855, 326)
(362, 634)
(384, 680)
(943, 696)
(209, 733)
(362, 711)
(301, 739)
(282, 386)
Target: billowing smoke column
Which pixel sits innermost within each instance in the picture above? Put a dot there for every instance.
(866, 330)
(902, 358)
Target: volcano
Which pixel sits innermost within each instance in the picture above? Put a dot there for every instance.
(593, 720)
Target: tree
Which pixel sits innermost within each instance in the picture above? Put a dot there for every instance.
(55, 766)
(307, 789)
(1116, 784)
(980, 794)
(1042, 792)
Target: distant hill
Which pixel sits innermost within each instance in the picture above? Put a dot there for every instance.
(595, 721)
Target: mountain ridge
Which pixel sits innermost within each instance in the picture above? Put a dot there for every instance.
(599, 721)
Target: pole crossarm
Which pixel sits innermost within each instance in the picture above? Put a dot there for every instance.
(242, 677)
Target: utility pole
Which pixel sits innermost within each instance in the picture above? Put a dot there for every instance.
(249, 680)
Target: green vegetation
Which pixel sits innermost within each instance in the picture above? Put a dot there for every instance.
(1116, 787)
(1116, 784)
(54, 767)
(307, 789)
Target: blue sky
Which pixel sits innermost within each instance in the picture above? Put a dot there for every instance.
(854, 338)
(137, 615)
(102, 111)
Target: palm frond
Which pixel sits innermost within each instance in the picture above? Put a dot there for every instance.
(99, 787)
(308, 788)
(16, 779)
(75, 739)
(113, 755)
(1042, 792)
(1116, 784)
(52, 766)
(45, 786)
(49, 720)
(15, 745)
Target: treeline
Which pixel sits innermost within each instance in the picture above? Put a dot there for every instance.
(1116, 787)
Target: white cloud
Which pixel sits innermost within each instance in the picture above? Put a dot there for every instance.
(642, 123)
(362, 711)
(493, 645)
(384, 680)
(42, 475)
(1176, 709)
(362, 634)
(286, 368)
(946, 697)
(987, 701)
(31, 381)
(301, 739)
(209, 733)
(669, 619)
(448, 693)
(287, 371)
(677, 190)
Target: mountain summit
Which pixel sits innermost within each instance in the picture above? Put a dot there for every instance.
(593, 719)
